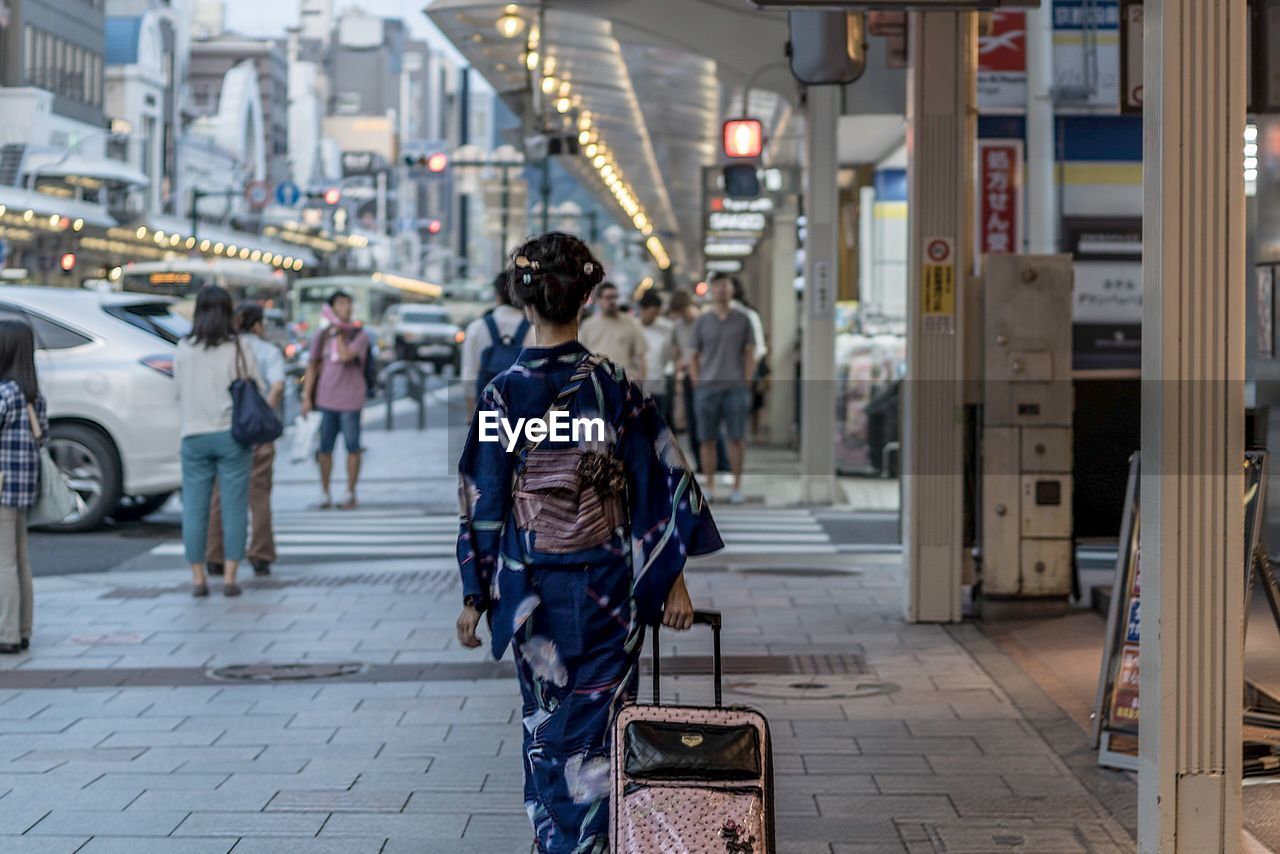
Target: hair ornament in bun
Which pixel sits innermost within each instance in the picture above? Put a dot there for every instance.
(588, 268)
(527, 266)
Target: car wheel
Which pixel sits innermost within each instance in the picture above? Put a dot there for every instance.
(135, 507)
(89, 461)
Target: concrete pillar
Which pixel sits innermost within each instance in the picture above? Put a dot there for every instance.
(1041, 152)
(940, 144)
(783, 325)
(1193, 292)
(817, 395)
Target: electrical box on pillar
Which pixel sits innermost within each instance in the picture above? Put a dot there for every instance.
(1026, 483)
(826, 47)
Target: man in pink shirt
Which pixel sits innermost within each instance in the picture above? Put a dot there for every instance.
(335, 387)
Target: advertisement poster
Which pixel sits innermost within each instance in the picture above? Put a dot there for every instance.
(999, 196)
(1002, 64)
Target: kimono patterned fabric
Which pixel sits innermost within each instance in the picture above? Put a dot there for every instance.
(575, 621)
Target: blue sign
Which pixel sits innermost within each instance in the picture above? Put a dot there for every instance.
(287, 194)
(1131, 632)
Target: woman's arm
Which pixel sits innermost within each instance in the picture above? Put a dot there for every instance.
(484, 499)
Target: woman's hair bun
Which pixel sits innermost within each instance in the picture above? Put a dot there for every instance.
(554, 273)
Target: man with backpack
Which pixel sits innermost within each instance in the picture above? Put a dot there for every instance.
(336, 385)
(493, 342)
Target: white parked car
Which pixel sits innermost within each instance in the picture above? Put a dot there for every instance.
(105, 363)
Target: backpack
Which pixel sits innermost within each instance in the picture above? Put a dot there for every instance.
(501, 353)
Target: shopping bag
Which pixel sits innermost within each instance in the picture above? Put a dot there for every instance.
(56, 499)
(305, 430)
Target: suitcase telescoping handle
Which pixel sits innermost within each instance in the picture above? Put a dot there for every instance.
(705, 618)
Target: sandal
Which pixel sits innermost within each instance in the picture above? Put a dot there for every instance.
(200, 590)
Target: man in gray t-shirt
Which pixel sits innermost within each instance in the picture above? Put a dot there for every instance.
(722, 366)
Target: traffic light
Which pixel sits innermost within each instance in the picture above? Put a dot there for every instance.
(435, 163)
(434, 226)
(743, 138)
(741, 181)
(332, 196)
(67, 262)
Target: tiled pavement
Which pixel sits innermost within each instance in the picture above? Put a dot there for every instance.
(931, 755)
(925, 752)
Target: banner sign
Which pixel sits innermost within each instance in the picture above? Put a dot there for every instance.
(1116, 708)
(1002, 64)
(1086, 55)
(999, 196)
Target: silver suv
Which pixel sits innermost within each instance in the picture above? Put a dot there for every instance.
(424, 333)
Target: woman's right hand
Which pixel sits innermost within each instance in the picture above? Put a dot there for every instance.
(677, 613)
(468, 621)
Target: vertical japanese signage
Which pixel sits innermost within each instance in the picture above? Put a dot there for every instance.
(938, 285)
(999, 196)
(1002, 64)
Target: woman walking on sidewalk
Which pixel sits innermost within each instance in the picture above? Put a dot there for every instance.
(572, 547)
(22, 407)
(208, 361)
(251, 324)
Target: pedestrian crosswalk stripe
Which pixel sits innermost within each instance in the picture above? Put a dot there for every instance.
(396, 533)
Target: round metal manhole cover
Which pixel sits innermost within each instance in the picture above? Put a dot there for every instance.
(817, 687)
(284, 672)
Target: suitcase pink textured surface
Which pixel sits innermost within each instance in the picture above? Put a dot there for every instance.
(692, 779)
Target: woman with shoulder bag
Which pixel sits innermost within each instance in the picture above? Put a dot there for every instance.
(22, 408)
(208, 361)
(572, 545)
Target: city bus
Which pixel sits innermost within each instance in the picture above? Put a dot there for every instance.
(183, 277)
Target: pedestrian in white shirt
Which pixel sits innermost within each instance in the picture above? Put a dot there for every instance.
(493, 341)
(615, 334)
(207, 362)
(251, 324)
(659, 334)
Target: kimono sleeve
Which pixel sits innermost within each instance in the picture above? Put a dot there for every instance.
(484, 498)
(670, 519)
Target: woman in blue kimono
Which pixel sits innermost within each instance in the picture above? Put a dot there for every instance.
(569, 578)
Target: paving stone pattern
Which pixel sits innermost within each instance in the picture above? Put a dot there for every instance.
(934, 757)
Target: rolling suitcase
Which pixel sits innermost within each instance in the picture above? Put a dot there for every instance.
(691, 779)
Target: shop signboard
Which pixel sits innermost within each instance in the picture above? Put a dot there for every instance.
(1002, 64)
(1086, 55)
(1116, 710)
(1106, 309)
(999, 196)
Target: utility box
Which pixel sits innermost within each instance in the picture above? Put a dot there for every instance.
(1026, 483)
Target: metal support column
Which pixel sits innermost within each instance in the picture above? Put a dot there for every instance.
(783, 325)
(1042, 168)
(818, 358)
(940, 142)
(1193, 372)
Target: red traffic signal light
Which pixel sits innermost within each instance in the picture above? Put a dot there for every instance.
(67, 262)
(743, 138)
(438, 162)
(434, 226)
(332, 196)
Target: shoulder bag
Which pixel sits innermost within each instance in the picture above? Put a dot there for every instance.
(571, 499)
(253, 421)
(56, 500)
